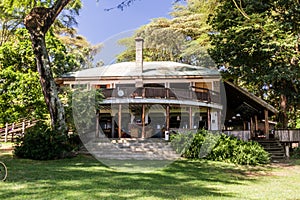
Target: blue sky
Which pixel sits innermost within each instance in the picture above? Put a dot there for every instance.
(98, 25)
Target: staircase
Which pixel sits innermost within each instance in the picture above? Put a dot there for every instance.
(274, 148)
(131, 149)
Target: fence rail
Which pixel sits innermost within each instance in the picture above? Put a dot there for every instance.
(285, 135)
(242, 135)
(13, 130)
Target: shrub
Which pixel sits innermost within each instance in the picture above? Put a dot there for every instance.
(42, 143)
(296, 153)
(219, 147)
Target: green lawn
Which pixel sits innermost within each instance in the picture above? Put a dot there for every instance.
(85, 178)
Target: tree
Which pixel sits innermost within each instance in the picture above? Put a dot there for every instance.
(20, 91)
(67, 51)
(261, 50)
(184, 38)
(38, 22)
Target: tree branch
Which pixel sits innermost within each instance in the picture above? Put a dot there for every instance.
(240, 9)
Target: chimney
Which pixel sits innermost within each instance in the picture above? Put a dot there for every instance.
(139, 53)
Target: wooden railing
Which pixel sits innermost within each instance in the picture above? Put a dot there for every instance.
(13, 130)
(242, 135)
(285, 135)
(200, 94)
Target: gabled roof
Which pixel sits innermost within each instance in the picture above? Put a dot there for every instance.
(157, 69)
(237, 96)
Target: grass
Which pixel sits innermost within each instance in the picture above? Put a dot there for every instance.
(83, 177)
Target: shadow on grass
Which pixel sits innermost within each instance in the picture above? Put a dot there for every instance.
(85, 178)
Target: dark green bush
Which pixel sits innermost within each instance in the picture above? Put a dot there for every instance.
(219, 147)
(41, 143)
(296, 153)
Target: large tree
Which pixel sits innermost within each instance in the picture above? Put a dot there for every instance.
(183, 38)
(66, 50)
(257, 43)
(38, 22)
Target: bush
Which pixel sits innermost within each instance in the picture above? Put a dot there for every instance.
(41, 143)
(219, 147)
(296, 153)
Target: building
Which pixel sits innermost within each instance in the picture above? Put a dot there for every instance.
(146, 99)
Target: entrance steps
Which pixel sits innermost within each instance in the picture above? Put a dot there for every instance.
(274, 148)
(131, 149)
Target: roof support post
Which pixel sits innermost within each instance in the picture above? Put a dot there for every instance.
(208, 119)
(168, 117)
(256, 123)
(113, 126)
(190, 118)
(267, 128)
(143, 121)
(120, 121)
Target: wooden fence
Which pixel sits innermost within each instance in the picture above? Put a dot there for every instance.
(285, 135)
(11, 131)
(242, 135)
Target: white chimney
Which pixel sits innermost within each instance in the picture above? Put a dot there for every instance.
(139, 53)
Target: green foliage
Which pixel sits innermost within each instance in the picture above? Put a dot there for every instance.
(213, 146)
(42, 143)
(260, 49)
(184, 38)
(85, 104)
(22, 7)
(20, 96)
(296, 153)
(20, 91)
(233, 150)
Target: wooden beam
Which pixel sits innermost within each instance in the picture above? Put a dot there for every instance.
(168, 117)
(208, 119)
(113, 126)
(252, 128)
(143, 121)
(120, 121)
(190, 117)
(256, 123)
(267, 128)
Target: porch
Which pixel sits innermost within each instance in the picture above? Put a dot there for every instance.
(150, 120)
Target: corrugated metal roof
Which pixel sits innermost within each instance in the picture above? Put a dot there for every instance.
(162, 68)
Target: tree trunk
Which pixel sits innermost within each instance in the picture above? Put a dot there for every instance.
(38, 22)
(48, 84)
(283, 118)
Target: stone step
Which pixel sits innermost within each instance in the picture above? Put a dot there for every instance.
(274, 148)
(133, 148)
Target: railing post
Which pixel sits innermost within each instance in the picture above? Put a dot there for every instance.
(6, 132)
(23, 127)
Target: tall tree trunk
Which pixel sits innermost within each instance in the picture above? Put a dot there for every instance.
(38, 22)
(48, 84)
(283, 118)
